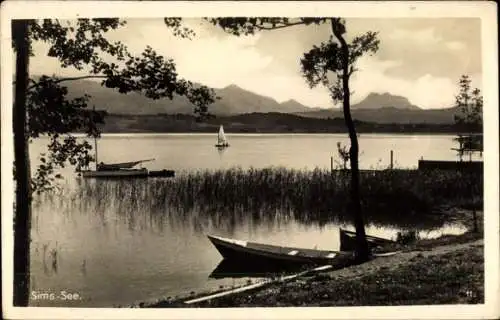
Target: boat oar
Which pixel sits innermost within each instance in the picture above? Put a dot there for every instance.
(257, 285)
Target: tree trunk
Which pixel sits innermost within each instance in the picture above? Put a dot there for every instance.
(22, 214)
(362, 249)
(474, 217)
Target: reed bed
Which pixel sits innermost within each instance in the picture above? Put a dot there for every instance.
(321, 196)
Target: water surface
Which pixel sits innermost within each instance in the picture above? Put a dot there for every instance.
(111, 254)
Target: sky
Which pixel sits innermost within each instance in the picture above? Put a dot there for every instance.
(418, 58)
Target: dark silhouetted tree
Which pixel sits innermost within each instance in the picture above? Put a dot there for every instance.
(22, 217)
(336, 58)
(42, 107)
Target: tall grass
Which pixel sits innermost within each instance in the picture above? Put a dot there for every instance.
(404, 197)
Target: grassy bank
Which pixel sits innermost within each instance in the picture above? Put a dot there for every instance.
(451, 278)
(409, 197)
(442, 274)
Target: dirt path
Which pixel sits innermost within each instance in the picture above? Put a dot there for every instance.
(403, 258)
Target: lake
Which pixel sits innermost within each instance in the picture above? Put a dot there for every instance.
(113, 255)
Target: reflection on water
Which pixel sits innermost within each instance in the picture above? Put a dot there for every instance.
(117, 243)
(117, 251)
(231, 269)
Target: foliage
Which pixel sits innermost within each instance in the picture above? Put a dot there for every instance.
(52, 112)
(250, 25)
(470, 106)
(343, 154)
(325, 60)
(319, 60)
(82, 44)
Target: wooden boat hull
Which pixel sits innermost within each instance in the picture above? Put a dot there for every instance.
(258, 254)
(348, 241)
(121, 165)
(134, 173)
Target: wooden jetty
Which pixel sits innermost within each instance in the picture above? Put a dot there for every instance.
(126, 173)
(473, 166)
(162, 173)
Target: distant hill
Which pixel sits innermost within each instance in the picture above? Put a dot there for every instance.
(293, 106)
(234, 100)
(379, 108)
(390, 115)
(384, 100)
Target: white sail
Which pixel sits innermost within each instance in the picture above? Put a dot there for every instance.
(221, 138)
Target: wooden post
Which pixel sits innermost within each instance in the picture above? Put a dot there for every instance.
(95, 143)
(392, 159)
(331, 164)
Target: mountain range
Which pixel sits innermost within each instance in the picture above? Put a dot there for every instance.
(376, 107)
(234, 100)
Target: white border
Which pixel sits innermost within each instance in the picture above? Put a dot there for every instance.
(487, 11)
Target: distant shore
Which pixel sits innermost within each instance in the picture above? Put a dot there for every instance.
(260, 123)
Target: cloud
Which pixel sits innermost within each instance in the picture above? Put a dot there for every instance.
(421, 37)
(426, 39)
(455, 45)
(422, 64)
(427, 91)
(219, 62)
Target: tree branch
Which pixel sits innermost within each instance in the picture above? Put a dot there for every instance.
(72, 79)
(280, 27)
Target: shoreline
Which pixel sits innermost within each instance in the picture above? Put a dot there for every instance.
(252, 134)
(463, 254)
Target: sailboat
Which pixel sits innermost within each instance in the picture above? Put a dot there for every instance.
(114, 170)
(221, 139)
(120, 166)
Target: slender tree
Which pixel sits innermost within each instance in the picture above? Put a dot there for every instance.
(22, 216)
(42, 106)
(338, 57)
(469, 104)
(469, 119)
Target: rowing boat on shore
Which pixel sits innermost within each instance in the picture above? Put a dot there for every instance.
(255, 253)
(348, 241)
